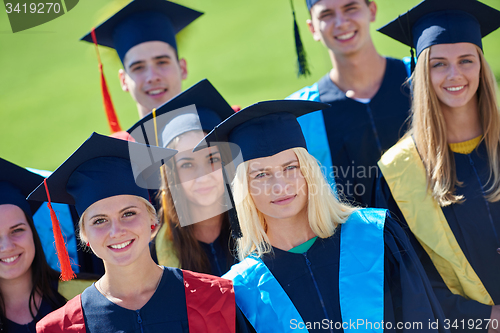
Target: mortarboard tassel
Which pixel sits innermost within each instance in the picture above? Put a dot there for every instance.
(108, 104)
(233, 216)
(62, 253)
(299, 47)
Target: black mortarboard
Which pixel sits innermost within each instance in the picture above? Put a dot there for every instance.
(265, 128)
(143, 21)
(176, 117)
(100, 168)
(15, 185)
(434, 22)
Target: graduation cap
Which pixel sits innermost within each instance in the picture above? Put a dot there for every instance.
(434, 22)
(310, 3)
(138, 22)
(265, 128)
(200, 107)
(260, 130)
(15, 185)
(100, 168)
(143, 21)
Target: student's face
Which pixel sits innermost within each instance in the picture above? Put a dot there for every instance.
(454, 72)
(17, 249)
(152, 74)
(200, 173)
(277, 186)
(118, 229)
(343, 26)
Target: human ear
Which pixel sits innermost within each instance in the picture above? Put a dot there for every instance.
(183, 66)
(123, 82)
(313, 31)
(373, 11)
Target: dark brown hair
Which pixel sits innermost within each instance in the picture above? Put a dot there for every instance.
(187, 248)
(43, 277)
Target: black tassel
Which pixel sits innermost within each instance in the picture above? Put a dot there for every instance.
(303, 68)
(412, 66)
(233, 216)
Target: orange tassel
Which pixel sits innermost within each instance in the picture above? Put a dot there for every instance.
(62, 253)
(114, 125)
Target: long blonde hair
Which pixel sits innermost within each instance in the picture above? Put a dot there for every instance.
(324, 211)
(428, 128)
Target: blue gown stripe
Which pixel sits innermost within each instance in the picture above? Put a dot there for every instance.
(361, 269)
(262, 299)
(314, 129)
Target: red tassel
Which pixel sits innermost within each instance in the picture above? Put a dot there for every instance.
(62, 253)
(114, 125)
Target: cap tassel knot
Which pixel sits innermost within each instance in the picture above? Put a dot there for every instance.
(114, 125)
(62, 253)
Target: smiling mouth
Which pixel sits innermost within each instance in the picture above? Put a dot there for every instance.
(346, 36)
(284, 200)
(121, 245)
(156, 92)
(455, 88)
(10, 259)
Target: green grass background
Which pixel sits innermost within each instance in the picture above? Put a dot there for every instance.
(50, 98)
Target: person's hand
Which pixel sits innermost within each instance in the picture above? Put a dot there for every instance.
(495, 320)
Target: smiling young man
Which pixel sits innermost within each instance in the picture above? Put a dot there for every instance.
(143, 35)
(366, 92)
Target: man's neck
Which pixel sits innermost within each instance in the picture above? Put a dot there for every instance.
(360, 74)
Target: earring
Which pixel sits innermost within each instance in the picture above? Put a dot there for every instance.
(153, 226)
(88, 244)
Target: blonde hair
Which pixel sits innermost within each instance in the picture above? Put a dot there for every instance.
(324, 211)
(428, 128)
(150, 209)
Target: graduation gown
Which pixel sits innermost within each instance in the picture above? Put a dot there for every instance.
(475, 224)
(217, 252)
(183, 302)
(10, 326)
(350, 137)
(312, 282)
(218, 255)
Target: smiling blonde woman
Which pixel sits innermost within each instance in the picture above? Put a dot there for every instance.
(135, 294)
(308, 261)
(443, 178)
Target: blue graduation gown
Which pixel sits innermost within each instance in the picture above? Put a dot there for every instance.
(210, 308)
(10, 326)
(475, 224)
(350, 137)
(311, 281)
(218, 255)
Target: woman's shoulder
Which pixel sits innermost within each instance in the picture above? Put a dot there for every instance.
(68, 318)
